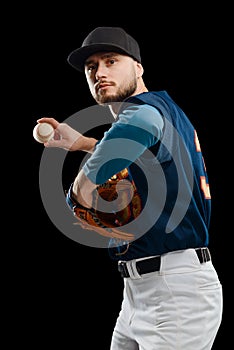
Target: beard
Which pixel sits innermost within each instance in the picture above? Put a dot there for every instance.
(121, 94)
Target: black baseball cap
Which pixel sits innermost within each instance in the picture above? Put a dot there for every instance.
(104, 39)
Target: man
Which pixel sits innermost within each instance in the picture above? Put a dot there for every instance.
(172, 294)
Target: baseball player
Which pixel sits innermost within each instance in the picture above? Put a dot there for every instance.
(172, 295)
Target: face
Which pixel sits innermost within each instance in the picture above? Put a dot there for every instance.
(111, 77)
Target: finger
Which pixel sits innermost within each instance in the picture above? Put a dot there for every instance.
(51, 121)
(60, 143)
(123, 235)
(106, 232)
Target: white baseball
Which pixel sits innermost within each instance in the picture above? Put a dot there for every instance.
(43, 132)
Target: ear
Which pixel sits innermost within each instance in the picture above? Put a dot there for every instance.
(139, 70)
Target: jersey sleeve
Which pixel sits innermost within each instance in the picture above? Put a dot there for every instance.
(137, 129)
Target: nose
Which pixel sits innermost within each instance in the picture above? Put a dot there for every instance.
(101, 71)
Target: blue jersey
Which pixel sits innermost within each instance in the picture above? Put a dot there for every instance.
(155, 140)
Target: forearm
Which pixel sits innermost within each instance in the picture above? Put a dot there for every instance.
(83, 190)
(86, 144)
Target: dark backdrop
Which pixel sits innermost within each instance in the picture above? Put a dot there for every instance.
(76, 291)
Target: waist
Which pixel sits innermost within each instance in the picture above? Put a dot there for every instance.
(169, 261)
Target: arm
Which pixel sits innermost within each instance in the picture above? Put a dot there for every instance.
(82, 189)
(144, 130)
(137, 129)
(68, 138)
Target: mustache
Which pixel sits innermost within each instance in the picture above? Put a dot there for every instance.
(103, 82)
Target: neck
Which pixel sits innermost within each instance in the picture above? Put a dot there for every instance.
(115, 106)
(140, 87)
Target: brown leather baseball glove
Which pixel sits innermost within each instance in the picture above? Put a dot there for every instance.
(119, 189)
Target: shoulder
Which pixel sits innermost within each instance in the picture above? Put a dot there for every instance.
(142, 115)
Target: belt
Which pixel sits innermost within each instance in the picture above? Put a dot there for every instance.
(153, 263)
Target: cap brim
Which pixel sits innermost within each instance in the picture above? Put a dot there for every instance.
(78, 57)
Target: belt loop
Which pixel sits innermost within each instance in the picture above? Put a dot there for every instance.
(123, 268)
(206, 254)
(203, 252)
(132, 269)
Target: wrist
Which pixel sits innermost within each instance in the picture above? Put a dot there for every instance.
(88, 144)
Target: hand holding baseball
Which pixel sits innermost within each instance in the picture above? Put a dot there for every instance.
(43, 132)
(61, 135)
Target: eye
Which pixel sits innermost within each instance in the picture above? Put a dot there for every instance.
(111, 61)
(91, 67)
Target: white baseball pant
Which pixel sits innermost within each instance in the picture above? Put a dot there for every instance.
(177, 308)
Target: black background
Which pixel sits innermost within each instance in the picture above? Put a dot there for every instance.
(75, 291)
